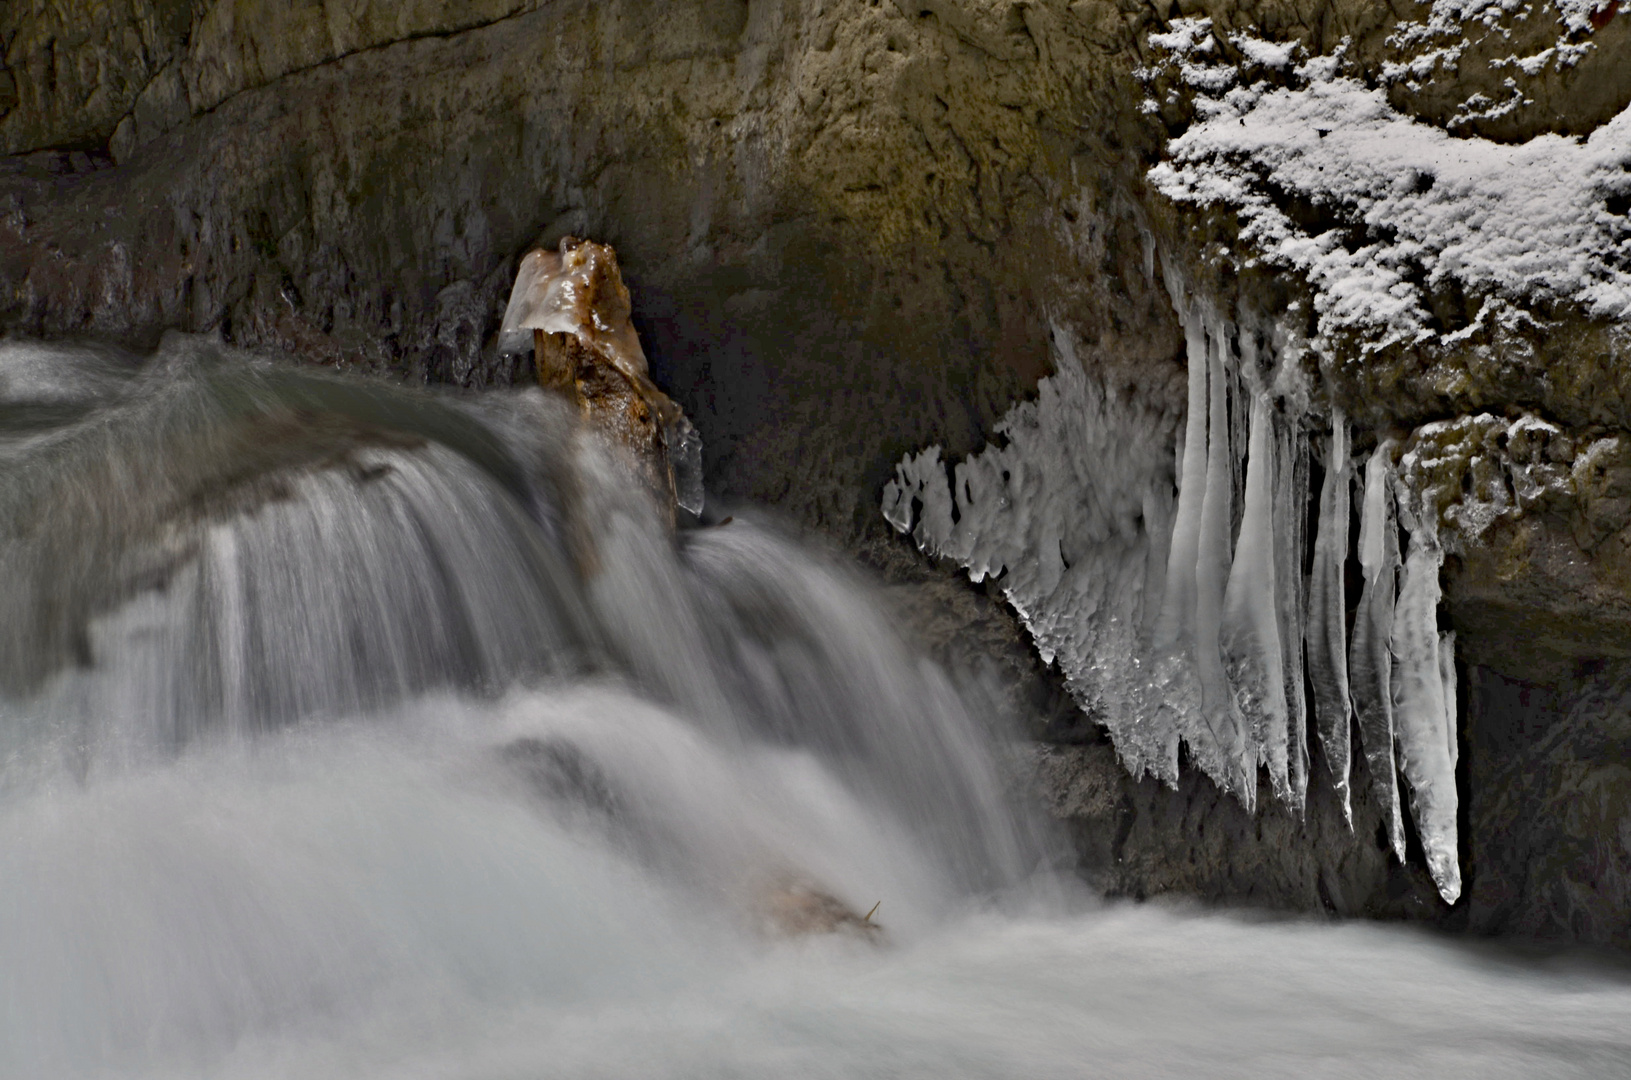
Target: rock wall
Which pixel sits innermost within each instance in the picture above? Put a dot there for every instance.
(849, 227)
(848, 204)
(1551, 804)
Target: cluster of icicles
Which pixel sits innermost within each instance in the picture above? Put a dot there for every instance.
(1221, 642)
(1235, 620)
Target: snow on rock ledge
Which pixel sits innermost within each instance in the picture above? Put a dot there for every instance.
(1402, 208)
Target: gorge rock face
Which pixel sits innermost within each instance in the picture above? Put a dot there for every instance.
(1551, 805)
(851, 229)
(853, 199)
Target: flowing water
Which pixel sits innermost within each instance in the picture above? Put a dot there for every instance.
(353, 731)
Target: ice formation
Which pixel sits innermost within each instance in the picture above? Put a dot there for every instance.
(1327, 614)
(1251, 620)
(1424, 715)
(1370, 661)
(1224, 737)
(1181, 596)
(1178, 620)
(1166, 627)
(1446, 664)
(1290, 542)
(1423, 685)
(1174, 628)
(1073, 514)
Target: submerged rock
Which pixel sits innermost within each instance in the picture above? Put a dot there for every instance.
(786, 904)
(795, 907)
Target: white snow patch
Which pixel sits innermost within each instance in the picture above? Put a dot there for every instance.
(1414, 209)
(1575, 15)
(1270, 54)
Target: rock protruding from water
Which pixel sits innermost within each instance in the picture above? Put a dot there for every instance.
(585, 348)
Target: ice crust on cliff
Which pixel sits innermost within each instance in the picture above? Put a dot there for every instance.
(1176, 620)
(1166, 627)
(1073, 513)
(1182, 613)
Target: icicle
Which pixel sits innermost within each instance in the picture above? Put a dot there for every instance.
(1446, 663)
(1156, 515)
(1421, 714)
(897, 502)
(1240, 425)
(1250, 635)
(1234, 755)
(1176, 626)
(685, 453)
(1370, 664)
(1327, 615)
(1177, 705)
(921, 477)
(1290, 541)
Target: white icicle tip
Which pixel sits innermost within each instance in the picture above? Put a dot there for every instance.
(1422, 716)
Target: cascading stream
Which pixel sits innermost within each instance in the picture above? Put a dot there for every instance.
(352, 730)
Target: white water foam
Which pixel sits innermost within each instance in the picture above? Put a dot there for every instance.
(389, 898)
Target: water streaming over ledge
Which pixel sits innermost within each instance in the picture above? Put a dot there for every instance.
(349, 730)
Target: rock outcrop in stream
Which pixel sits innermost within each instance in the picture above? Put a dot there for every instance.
(857, 229)
(576, 308)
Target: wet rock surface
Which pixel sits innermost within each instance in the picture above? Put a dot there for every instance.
(1551, 805)
(574, 306)
(846, 228)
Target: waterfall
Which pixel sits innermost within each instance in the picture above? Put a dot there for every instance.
(239, 597)
(348, 729)
(217, 547)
